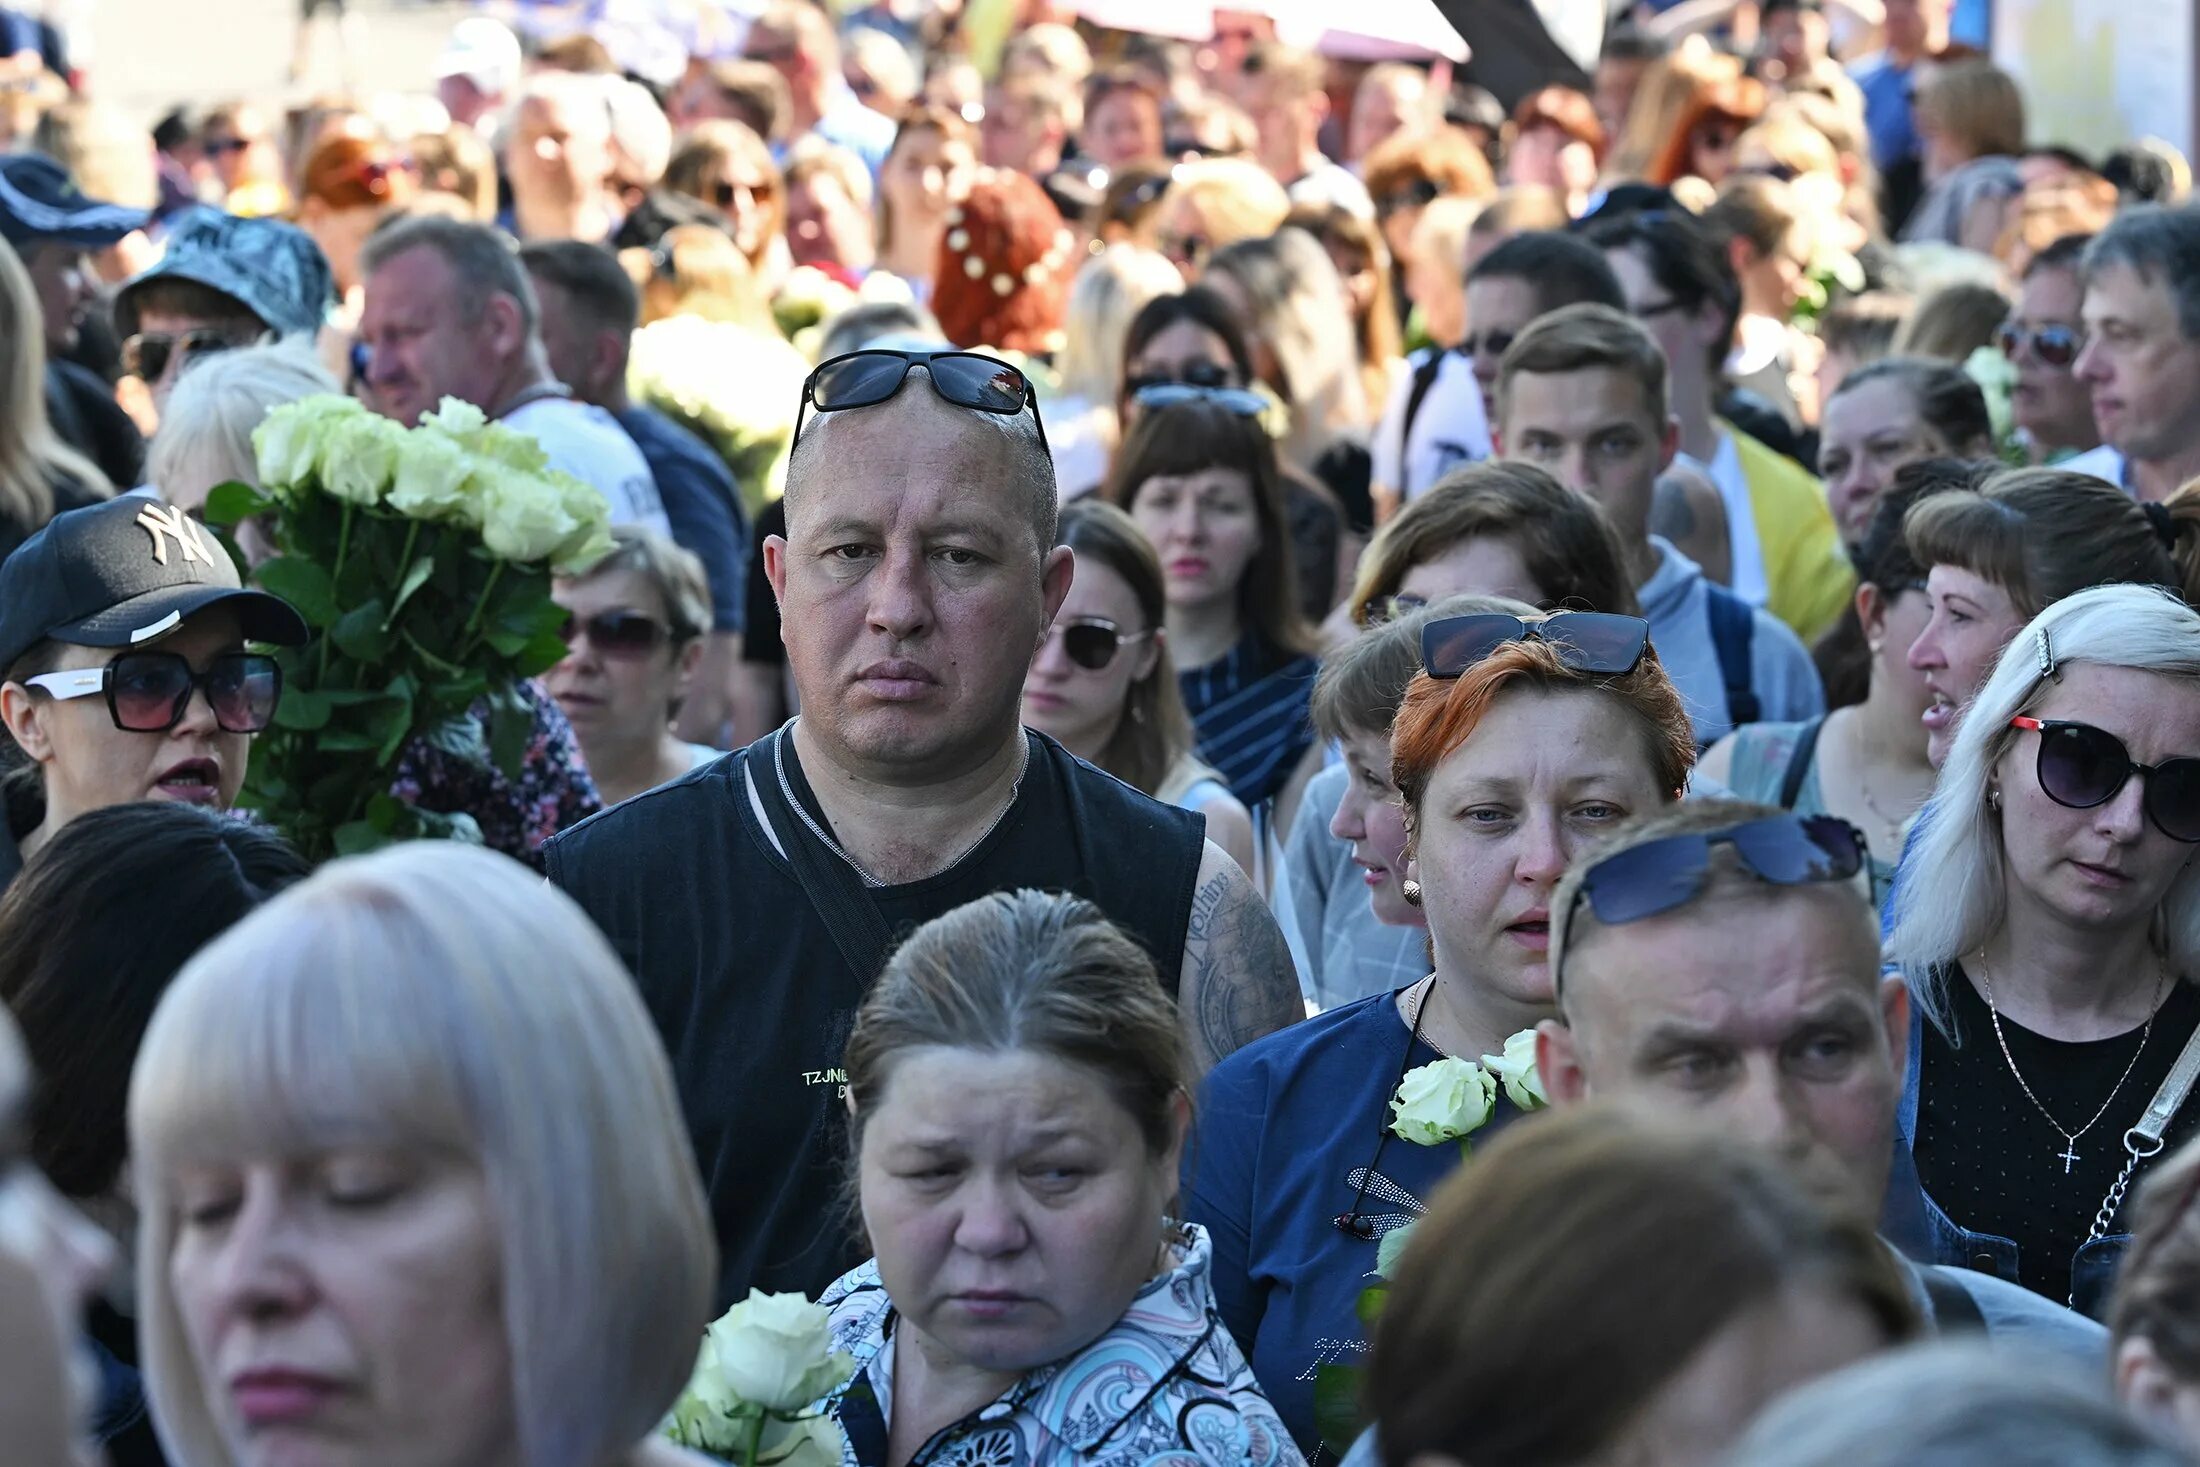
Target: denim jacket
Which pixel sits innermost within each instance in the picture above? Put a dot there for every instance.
(1916, 1224)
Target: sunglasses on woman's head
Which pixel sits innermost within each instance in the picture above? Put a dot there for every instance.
(2081, 767)
(1661, 875)
(147, 692)
(1234, 400)
(2056, 346)
(1591, 641)
(869, 377)
(619, 635)
(1091, 642)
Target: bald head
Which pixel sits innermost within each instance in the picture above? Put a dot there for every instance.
(924, 434)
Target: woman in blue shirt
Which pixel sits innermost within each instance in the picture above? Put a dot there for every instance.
(1524, 742)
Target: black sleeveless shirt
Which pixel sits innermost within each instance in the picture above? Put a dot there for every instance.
(755, 1002)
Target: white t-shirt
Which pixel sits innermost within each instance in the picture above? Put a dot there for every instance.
(1747, 578)
(588, 443)
(1332, 183)
(2102, 463)
(1449, 430)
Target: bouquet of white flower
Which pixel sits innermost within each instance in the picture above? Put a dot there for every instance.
(762, 1372)
(421, 559)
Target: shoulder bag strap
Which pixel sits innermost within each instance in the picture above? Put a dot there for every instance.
(834, 889)
(1798, 765)
(2145, 1139)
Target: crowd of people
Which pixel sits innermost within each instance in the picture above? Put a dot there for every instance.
(1195, 634)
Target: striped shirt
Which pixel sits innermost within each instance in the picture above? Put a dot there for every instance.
(1250, 709)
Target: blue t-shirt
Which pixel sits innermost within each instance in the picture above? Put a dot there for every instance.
(1887, 115)
(1285, 1129)
(701, 503)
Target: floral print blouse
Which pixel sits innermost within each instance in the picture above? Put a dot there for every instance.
(1165, 1385)
(552, 790)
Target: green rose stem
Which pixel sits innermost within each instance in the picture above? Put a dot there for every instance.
(473, 623)
(343, 548)
(755, 1445)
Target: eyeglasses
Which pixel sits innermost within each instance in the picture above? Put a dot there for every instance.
(1660, 875)
(2081, 767)
(217, 147)
(966, 379)
(622, 636)
(2055, 346)
(1235, 400)
(1414, 195)
(1591, 641)
(146, 355)
(147, 692)
(1092, 641)
(726, 192)
(1189, 374)
(1492, 342)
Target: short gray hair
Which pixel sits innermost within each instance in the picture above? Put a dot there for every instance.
(439, 995)
(2160, 245)
(205, 435)
(1953, 1404)
(484, 258)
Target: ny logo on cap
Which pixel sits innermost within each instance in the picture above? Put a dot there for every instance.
(165, 522)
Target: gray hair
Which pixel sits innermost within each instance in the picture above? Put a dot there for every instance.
(484, 258)
(2160, 245)
(1952, 893)
(1954, 1405)
(205, 435)
(673, 572)
(439, 996)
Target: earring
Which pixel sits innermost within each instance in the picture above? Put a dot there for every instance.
(1877, 644)
(1993, 798)
(1411, 891)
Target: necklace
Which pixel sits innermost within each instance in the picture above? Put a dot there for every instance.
(786, 789)
(1419, 1001)
(2068, 1156)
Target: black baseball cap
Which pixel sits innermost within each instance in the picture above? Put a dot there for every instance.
(40, 202)
(124, 573)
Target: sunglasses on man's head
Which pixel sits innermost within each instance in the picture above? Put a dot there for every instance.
(2056, 346)
(2081, 767)
(869, 377)
(1091, 642)
(1661, 875)
(147, 692)
(1591, 641)
(146, 355)
(619, 635)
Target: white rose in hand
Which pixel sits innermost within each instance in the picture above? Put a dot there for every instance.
(1516, 1069)
(432, 480)
(776, 1351)
(359, 459)
(289, 440)
(523, 517)
(1442, 1102)
(705, 1415)
(460, 419)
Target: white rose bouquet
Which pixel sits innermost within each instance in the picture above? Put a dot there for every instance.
(760, 1377)
(421, 558)
(1453, 1098)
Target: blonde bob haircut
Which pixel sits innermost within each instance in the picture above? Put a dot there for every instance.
(1952, 894)
(441, 997)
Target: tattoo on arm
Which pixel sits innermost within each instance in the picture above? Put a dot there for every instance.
(1238, 981)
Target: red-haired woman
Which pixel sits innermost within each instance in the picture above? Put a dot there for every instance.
(1521, 743)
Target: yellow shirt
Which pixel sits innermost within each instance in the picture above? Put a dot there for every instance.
(1807, 570)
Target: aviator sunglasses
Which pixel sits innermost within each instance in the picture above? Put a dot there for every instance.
(2057, 346)
(1091, 642)
(147, 692)
(2081, 767)
(869, 377)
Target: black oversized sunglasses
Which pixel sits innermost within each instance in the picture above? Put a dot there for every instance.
(146, 355)
(1591, 641)
(1091, 642)
(2081, 767)
(1660, 875)
(147, 692)
(869, 377)
(620, 635)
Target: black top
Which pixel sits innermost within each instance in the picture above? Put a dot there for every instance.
(760, 638)
(701, 504)
(1995, 1165)
(84, 414)
(755, 1002)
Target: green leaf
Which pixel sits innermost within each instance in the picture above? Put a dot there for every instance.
(416, 576)
(302, 708)
(304, 585)
(362, 633)
(1369, 1307)
(458, 738)
(545, 651)
(1337, 1413)
(357, 837)
(228, 503)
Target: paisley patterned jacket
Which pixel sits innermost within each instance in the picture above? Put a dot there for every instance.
(1166, 1385)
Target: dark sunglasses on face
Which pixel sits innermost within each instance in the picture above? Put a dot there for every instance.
(147, 692)
(2056, 346)
(1592, 641)
(146, 355)
(216, 147)
(869, 377)
(618, 635)
(2081, 767)
(1189, 374)
(727, 192)
(1091, 642)
(1414, 195)
(1230, 399)
(1661, 875)
(1492, 343)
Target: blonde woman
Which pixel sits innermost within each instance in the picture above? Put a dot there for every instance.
(39, 474)
(205, 437)
(1215, 202)
(1110, 289)
(413, 1180)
